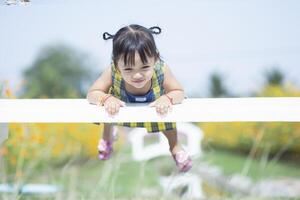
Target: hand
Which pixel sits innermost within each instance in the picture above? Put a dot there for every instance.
(112, 105)
(163, 105)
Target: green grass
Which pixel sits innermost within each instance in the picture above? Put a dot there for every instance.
(119, 177)
(231, 162)
(123, 178)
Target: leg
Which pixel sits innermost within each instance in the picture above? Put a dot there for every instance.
(107, 132)
(105, 148)
(171, 135)
(182, 159)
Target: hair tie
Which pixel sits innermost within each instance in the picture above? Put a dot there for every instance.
(107, 36)
(155, 30)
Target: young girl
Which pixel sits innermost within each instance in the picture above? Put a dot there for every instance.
(137, 74)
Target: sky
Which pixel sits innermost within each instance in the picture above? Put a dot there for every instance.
(239, 39)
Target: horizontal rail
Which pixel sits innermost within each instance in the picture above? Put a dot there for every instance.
(285, 109)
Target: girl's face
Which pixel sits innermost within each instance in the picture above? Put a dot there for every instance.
(137, 75)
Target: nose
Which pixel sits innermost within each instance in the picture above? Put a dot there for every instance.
(137, 76)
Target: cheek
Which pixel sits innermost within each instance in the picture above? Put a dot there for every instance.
(123, 74)
(126, 76)
(149, 74)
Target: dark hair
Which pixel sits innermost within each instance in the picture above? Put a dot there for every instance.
(131, 39)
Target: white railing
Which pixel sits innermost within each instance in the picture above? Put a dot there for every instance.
(191, 110)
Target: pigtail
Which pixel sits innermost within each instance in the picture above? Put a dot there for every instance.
(155, 30)
(107, 36)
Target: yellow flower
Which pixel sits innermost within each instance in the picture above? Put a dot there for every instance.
(3, 151)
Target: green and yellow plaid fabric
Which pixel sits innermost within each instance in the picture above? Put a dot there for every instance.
(118, 90)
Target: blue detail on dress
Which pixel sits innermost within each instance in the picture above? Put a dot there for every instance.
(146, 98)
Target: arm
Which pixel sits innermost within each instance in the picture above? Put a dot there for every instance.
(174, 93)
(173, 89)
(100, 87)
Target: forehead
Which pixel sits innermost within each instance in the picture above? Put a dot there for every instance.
(137, 61)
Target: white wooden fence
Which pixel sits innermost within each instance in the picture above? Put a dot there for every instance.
(191, 110)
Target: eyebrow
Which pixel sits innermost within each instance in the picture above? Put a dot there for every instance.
(144, 65)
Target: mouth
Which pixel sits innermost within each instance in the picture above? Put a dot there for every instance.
(138, 81)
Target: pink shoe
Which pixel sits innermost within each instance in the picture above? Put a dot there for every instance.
(105, 149)
(183, 161)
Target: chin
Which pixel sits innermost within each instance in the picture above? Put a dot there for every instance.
(139, 85)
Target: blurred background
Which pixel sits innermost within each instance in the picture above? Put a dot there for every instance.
(54, 49)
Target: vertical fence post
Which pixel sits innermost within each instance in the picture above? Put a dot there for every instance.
(3, 137)
(3, 132)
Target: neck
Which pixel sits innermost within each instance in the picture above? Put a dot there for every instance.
(138, 91)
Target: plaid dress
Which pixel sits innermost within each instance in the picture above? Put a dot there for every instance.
(118, 90)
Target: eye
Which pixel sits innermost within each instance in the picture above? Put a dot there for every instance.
(127, 69)
(146, 67)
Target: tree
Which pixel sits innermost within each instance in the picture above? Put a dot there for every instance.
(216, 87)
(58, 72)
(274, 77)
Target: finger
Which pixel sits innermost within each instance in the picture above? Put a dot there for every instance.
(111, 108)
(163, 114)
(106, 106)
(122, 103)
(152, 104)
(160, 110)
(109, 111)
(112, 112)
(157, 109)
(117, 108)
(164, 110)
(170, 108)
